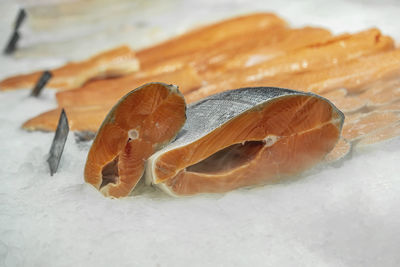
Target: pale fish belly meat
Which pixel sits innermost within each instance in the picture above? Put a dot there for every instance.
(245, 137)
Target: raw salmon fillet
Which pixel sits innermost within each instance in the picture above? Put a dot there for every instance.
(338, 49)
(341, 150)
(267, 43)
(395, 106)
(302, 68)
(383, 134)
(207, 36)
(292, 40)
(137, 126)
(357, 72)
(86, 118)
(115, 62)
(344, 102)
(354, 75)
(245, 137)
(362, 125)
(173, 71)
(253, 47)
(382, 92)
(206, 59)
(86, 107)
(106, 92)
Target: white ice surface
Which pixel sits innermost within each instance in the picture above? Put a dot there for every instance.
(339, 216)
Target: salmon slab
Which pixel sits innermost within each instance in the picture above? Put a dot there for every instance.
(87, 107)
(365, 124)
(245, 137)
(205, 59)
(184, 70)
(339, 152)
(311, 68)
(382, 134)
(88, 119)
(237, 52)
(138, 125)
(207, 36)
(105, 92)
(355, 75)
(291, 40)
(115, 62)
(334, 51)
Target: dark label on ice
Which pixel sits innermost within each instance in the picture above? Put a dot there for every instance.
(41, 83)
(12, 43)
(20, 18)
(57, 147)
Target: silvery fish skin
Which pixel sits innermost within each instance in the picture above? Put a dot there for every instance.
(212, 113)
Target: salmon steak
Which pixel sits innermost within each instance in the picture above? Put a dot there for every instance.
(245, 137)
(138, 125)
(116, 62)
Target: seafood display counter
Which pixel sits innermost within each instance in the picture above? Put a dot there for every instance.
(232, 134)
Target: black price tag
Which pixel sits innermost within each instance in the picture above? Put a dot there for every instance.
(20, 18)
(12, 43)
(41, 83)
(57, 147)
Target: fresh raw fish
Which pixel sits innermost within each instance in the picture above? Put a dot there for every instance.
(358, 73)
(395, 106)
(267, 43)
(292, 40)
(85, 118)
(245, 137)
(304, 69)
(382, 93)
(108, 92)
(380, 135)
(247, 51)
(138, 125)
(339, 152)
(87, 107)
(364, 124)
(173, 71)
(335, 51)
(112, 63)
(207, 36)
(344, 102)
(205, 59)
(123, 60)
(354, 75)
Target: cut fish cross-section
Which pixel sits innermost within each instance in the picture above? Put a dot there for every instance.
(138, 125)
(246, 137)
